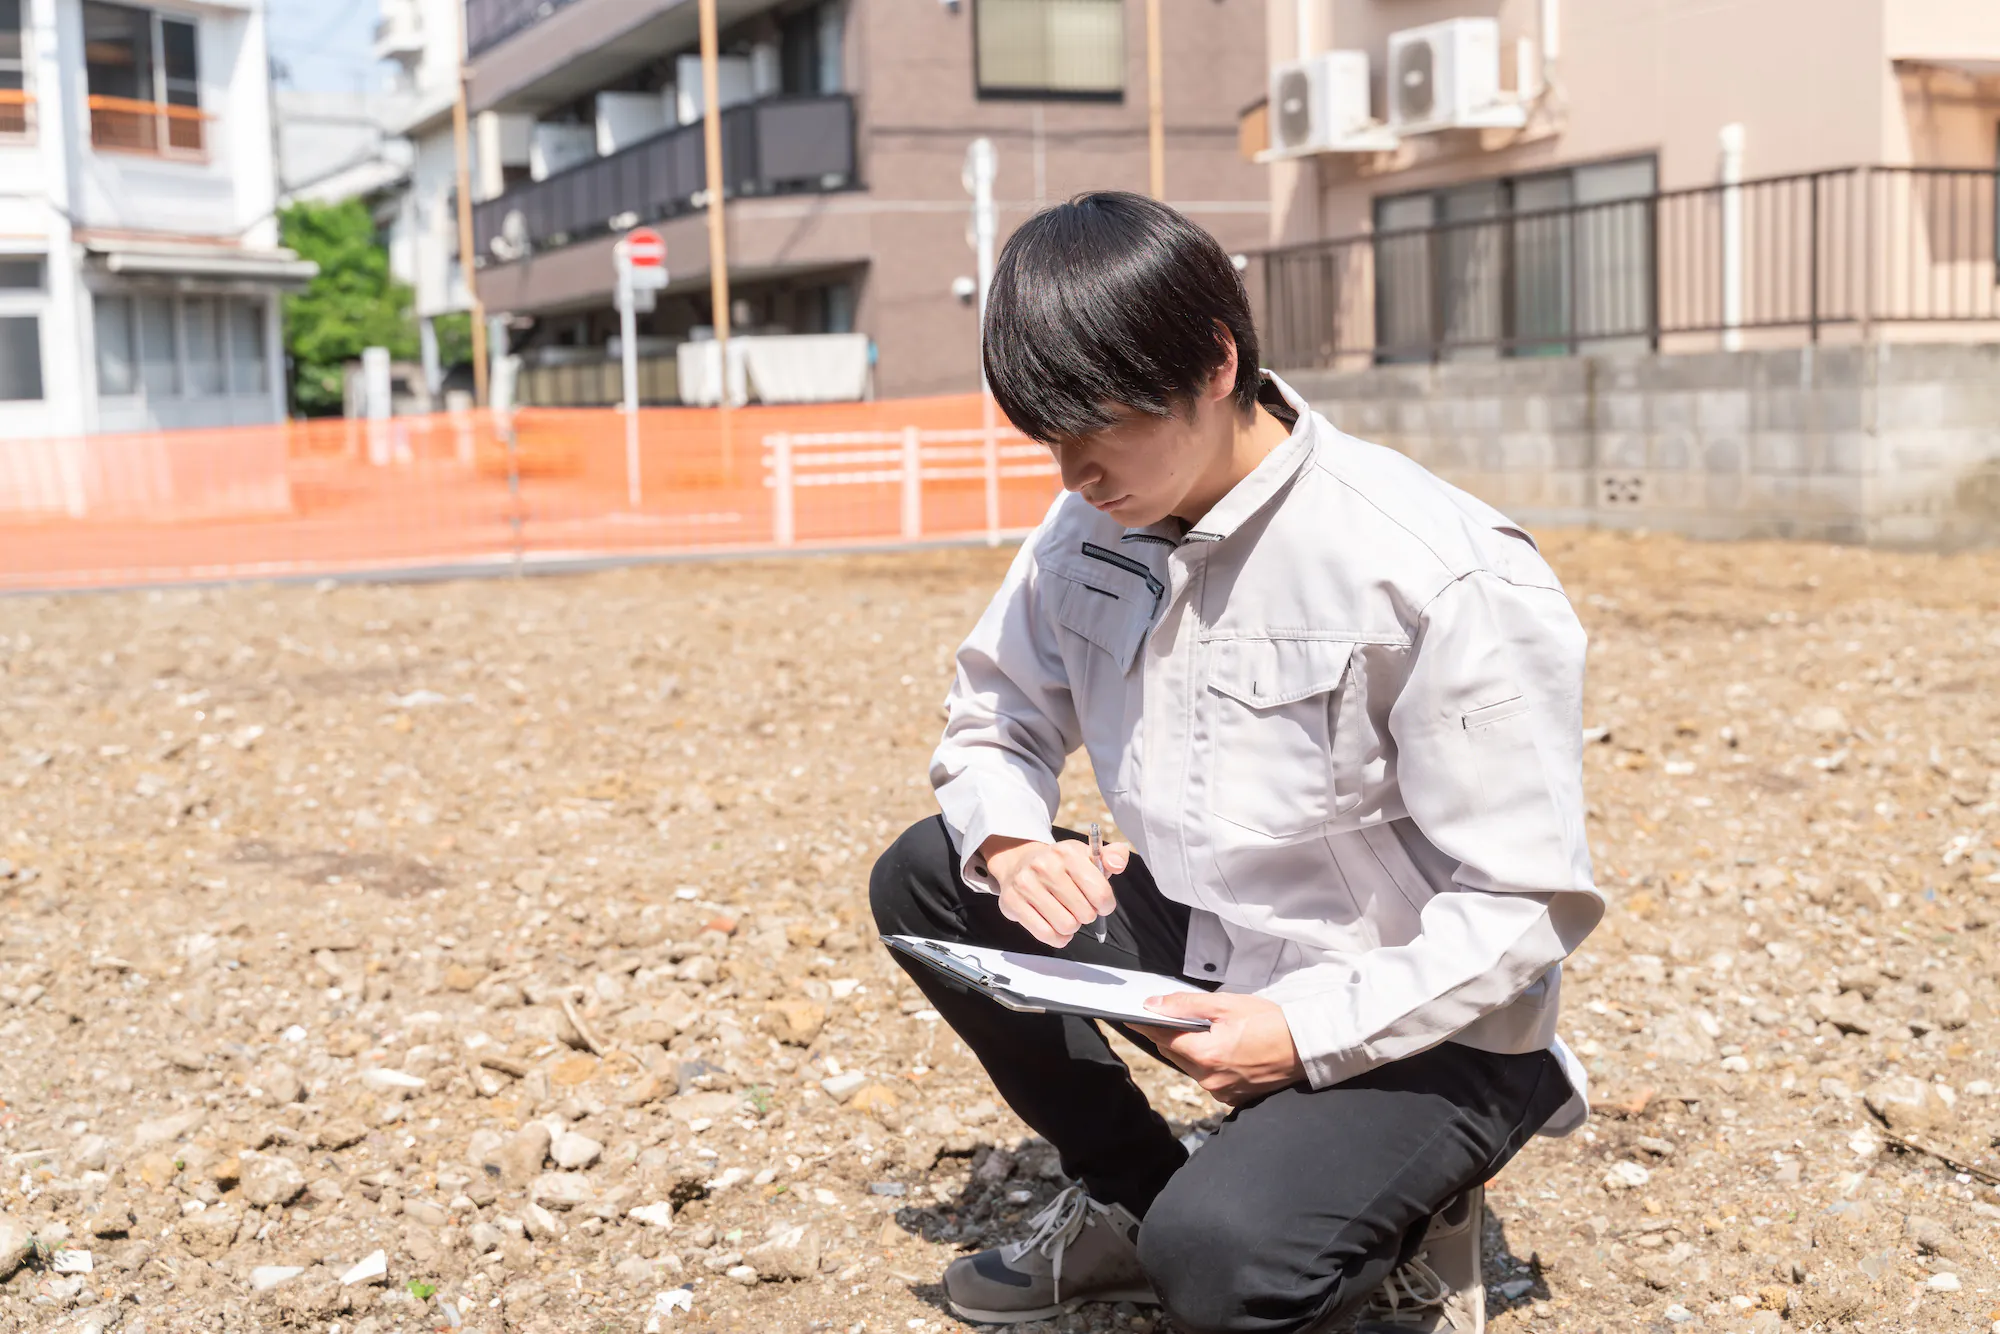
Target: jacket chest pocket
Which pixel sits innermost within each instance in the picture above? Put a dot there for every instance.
(1106, 628)
(1274, 707)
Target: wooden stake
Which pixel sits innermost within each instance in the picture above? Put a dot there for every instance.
(718, 240)
(467, 256)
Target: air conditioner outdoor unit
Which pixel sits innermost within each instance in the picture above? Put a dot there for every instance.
(1320, 105)
(1446, 76)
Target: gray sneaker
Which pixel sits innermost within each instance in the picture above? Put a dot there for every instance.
(1076, 1251)
(1440, 1288)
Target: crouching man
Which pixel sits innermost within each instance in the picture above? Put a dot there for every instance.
(1335, 704)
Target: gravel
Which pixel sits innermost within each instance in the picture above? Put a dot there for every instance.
(517, 932)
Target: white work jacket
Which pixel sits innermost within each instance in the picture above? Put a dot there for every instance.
(1340, 718)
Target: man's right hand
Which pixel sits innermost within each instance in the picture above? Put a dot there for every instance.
(1052, 889)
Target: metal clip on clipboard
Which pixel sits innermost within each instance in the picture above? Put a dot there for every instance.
(946, 962)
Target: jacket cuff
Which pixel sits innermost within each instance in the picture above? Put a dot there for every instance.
(1006, 814)
(1323, 1050)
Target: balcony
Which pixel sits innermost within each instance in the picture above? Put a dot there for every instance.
(1842, 254)
(491, 22)
(781, 145)
(17, 113)
(157, 129)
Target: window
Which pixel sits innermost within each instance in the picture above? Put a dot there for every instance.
(201, 339)
(159, 347)
(1524, 266)
(144, 78)
(247, 369)
(1050, 48)
(20, 273)
(14, 99)
(20, 357)
(172, 347)
(117, 369)
(809, 50)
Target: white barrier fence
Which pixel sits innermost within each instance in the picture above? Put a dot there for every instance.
(908, 458)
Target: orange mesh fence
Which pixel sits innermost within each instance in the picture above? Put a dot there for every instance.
(461, 489)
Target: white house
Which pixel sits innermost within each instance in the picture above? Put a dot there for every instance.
(139, 257)
(419, 215)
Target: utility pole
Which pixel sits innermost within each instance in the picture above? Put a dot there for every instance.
(1156, 132)
(980, 167)
(467, 257)
(718, 243)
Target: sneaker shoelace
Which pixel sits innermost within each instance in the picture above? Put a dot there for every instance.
(1054, 1228)
(1409, 1295)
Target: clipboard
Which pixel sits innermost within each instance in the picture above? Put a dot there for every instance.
(1044, 984)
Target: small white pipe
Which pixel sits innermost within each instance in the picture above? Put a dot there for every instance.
(1730, 140)
(1302, 17)
(1551, 32)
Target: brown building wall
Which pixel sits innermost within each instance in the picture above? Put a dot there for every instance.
(917, 108)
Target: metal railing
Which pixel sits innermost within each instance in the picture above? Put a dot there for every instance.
(162, 129)
(1781, 258)
(491, 22)
(779, 145)
(598, 384)
(17, 113)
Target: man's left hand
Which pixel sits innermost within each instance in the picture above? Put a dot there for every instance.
(1245, 1052)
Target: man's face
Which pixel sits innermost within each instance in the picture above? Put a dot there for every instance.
(1142, 468)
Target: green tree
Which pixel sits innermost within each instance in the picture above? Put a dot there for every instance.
(353, 303)
(454, 335)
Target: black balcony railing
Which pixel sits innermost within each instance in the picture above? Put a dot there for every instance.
(781, 145)
(491, 22)
(1788, 257)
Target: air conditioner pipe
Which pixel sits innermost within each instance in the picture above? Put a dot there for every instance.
(1730, 140)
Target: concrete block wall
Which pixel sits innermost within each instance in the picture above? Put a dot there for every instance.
(1886, 443)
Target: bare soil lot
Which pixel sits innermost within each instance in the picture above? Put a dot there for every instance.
(517, 931)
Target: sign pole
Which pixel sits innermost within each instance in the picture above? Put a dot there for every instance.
(980, 167)
(639, 261)
(628, 349)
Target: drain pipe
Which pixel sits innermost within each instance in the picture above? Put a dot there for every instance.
(1731, 143)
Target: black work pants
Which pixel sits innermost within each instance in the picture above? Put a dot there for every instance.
(1303, 1202)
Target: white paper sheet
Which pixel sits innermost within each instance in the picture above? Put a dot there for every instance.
(1064, 984)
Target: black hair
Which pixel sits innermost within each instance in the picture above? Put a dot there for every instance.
(1111, 298)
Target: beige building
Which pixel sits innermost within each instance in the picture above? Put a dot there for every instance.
(845, 125)
(1535, 176)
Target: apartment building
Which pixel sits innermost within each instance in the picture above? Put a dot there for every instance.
(139, 264)
(420, 43)
(845, 126)
(1467, 179)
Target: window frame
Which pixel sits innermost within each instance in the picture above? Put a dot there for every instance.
(226, 306)
(1438, 288)
(29, 303)
(177, 126)
(23, 96)
(984, 92)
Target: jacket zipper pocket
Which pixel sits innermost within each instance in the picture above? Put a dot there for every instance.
(1130, 566)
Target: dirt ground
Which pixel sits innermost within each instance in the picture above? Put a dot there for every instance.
(503, 948)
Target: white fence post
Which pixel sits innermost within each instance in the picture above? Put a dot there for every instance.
(913, 478)
(783, 523)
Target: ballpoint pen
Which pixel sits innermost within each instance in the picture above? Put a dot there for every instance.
(1097, 859)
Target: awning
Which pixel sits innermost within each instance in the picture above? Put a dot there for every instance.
(266, 268)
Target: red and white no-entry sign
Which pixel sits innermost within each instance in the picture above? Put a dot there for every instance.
(647, 248)
(645, 254)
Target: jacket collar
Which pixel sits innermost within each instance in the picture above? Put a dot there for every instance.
(1253, 493)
